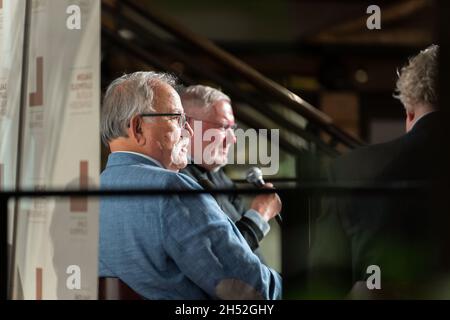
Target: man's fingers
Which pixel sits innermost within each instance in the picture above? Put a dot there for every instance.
(268, 185)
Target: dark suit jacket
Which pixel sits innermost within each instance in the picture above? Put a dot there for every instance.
(401, 233)
(230, 204)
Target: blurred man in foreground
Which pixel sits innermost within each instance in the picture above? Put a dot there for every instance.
(389, 244)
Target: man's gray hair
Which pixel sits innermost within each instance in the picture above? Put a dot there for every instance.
(126, 97)
(417, 82)
(199, 96)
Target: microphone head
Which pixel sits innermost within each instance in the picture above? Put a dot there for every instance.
(255, 176)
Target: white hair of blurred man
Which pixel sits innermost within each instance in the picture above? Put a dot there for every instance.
(416, 86)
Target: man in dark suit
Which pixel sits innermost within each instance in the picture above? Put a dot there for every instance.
(210, 109)
(388, 244)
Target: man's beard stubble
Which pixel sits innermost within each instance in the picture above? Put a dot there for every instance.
(178, 155)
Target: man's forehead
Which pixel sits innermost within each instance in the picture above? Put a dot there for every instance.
(222, 110)
(166, 99)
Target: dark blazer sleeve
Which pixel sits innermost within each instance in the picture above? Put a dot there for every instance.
(248, 229)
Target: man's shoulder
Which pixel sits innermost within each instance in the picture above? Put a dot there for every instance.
(183, 180)
(192, 171)
(420, 140)
(132, 170)
(372, 150)
(368, 161)
(146, 175)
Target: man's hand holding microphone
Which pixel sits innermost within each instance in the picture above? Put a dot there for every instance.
(267, 205)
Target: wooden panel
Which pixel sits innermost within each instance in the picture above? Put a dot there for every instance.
(343, 108)
(80, 204)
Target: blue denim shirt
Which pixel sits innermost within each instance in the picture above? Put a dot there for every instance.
(174, 247)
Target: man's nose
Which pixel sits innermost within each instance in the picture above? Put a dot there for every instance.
(234, 138)
(231, 136)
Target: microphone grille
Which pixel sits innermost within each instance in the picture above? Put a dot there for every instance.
(254, 175)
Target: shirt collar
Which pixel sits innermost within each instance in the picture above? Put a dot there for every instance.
(191, 161)
(417, 120)
(144, 156)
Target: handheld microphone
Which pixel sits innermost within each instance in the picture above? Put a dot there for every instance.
(255, 177)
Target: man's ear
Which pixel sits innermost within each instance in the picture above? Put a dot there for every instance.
(135, 130)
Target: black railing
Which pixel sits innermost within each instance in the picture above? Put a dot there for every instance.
(124, 15)
(301, 190)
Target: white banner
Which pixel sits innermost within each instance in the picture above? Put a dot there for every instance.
(12, 17)
(57, 240)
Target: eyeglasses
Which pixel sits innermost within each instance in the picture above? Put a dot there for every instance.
(219, 125)
(181, 117)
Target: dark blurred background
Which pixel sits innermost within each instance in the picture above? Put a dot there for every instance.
(319, 50)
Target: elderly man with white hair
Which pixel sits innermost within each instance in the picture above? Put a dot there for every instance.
(209, 110)
(167, 247)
